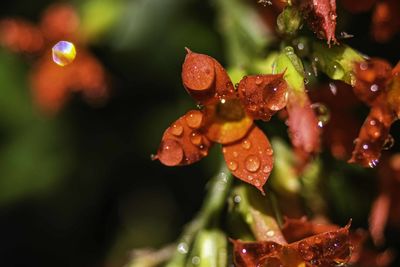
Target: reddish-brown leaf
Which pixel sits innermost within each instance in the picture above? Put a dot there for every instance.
(372, 136)
(184, 142)
(321, 17)
(250, 159)
(205, 79)
(303, 124)
(326, 249)
(263, 95)
(371, 79)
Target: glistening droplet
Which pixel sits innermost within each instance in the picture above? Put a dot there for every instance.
(194, 119)
(63, 53)
(232, 165)
(170, 153)
(246, 144)
(322, 113)
(177, 129)
(252, 163)
(196, 139)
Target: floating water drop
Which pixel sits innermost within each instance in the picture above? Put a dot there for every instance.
(63, 53)
(252, 163)
(333, 88)
(322, 113)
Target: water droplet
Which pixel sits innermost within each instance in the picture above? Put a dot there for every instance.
(269, 151)
(237, 199)
(171, 152)
(196, 139)
(194, 118)
(364, 65)
(177, 129)
(246, 144)
(305, 251)
(322, 113)
(244, 251)
(235, 154)
(374, 88)
(336, 71)
(300, 46)
(183, 248)
(252, 163)
(345, 35)
(257, 183)
(223, 101)
(389, 142)
(232, 165)
(250, 178)
(270, 233)
(153, 157)
(267, 169)
(306, 81)
(373, 163)
(365, 146)
(259, 80)
(63, 53)
(196, 260)
(333, 88)
(265, 2)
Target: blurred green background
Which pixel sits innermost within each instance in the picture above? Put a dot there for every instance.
(79, 189)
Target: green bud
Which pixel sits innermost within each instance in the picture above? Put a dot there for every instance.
(290, 63)
(209, 249)
(337, 62)
(289, 21)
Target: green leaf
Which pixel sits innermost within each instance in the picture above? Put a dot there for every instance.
(290, 63)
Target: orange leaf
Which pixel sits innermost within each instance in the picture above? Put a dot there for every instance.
(250, 159)
(183, 142)
(263, 95)
(205, 79)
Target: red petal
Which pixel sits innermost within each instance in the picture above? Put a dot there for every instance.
(250, 159)
(321, 17)
(263, 95)
(183, 142)
(303, 124)
(205, 79)
(372, 136)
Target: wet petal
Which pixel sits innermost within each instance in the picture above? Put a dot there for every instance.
(371, 80)
(393, 96)
(250, 159)
(321, 17)
(263, 95)
(183, 142)
(205, 79)
(372, 136)
(226, 121)
(327, 249)
(303, 124)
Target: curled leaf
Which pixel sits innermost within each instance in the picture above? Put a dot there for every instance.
(263, 95)
(250, 159)
(205, 79)
(184, 142)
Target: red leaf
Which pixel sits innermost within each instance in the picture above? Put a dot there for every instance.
(205, 79)
(250, 159)
(183, 142)
(321, 17)
(263, 95)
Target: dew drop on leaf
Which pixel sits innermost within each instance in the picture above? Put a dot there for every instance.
(322, 113)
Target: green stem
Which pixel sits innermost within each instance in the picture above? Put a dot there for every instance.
(218, 190)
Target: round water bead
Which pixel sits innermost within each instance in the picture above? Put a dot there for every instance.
(64, 53)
